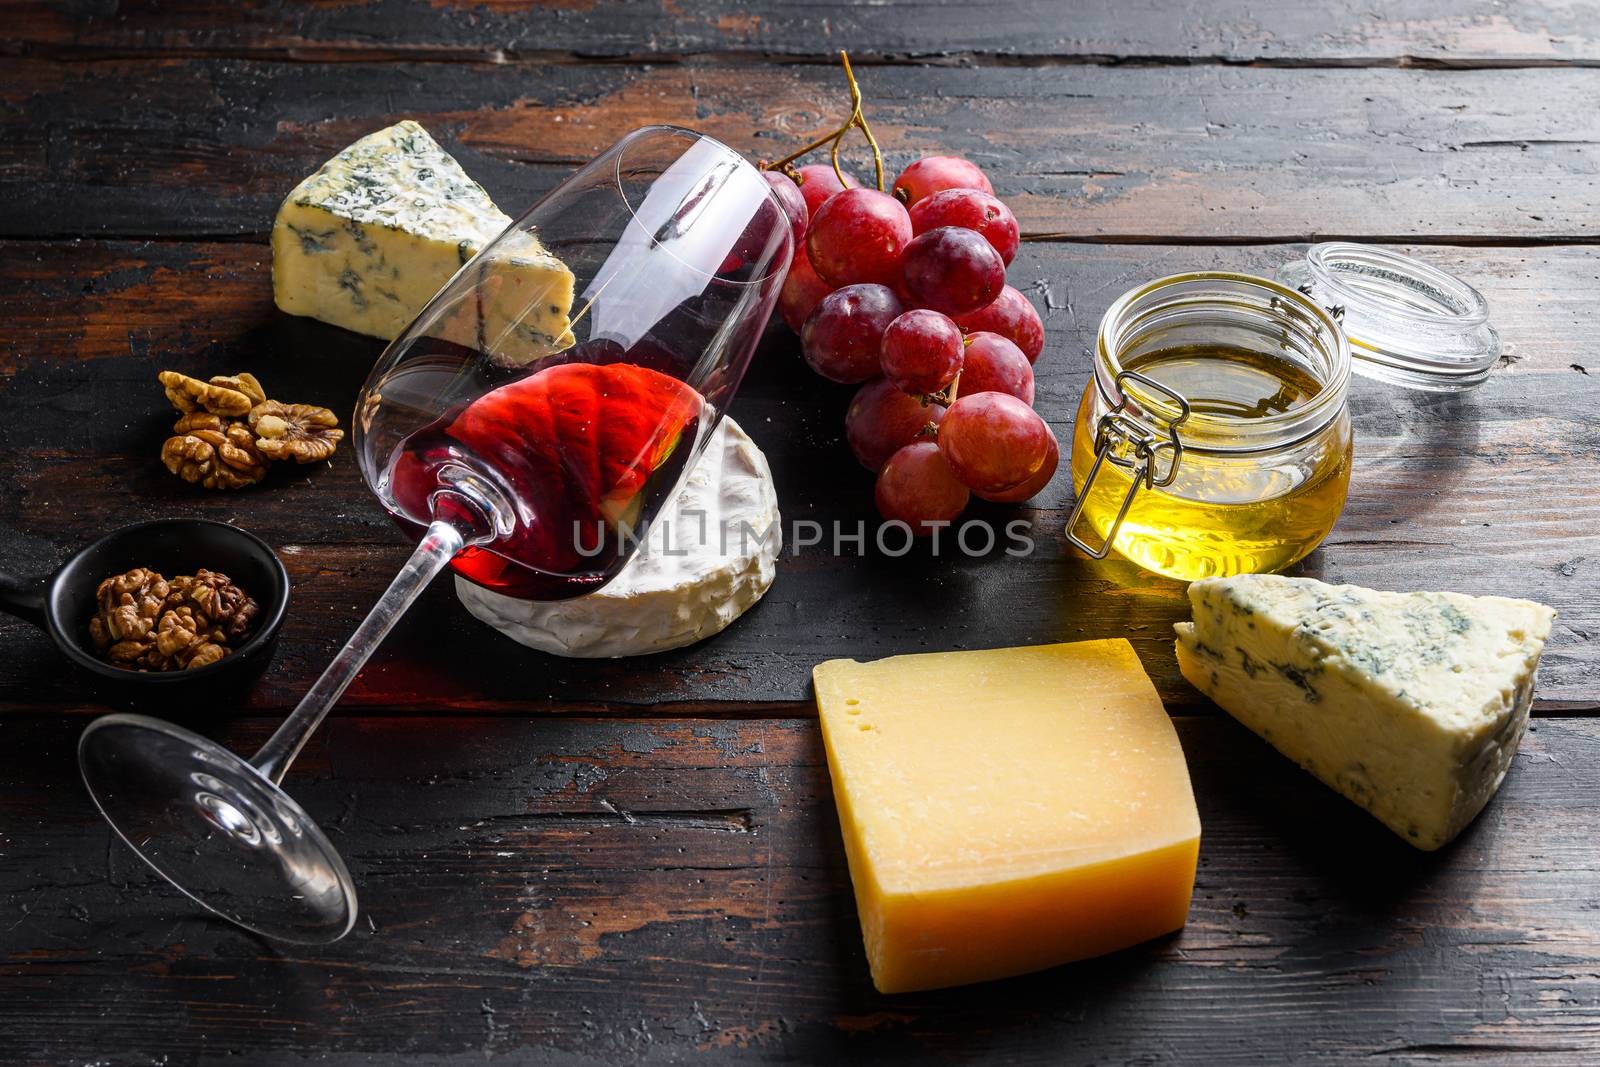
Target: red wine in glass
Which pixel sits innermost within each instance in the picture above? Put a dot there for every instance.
(579, 453)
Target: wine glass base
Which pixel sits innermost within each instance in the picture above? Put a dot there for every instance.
(217, 829)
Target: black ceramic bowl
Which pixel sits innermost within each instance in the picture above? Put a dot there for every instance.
(63, 603)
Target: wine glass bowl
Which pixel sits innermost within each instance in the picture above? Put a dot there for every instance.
(526, 428)
(556, 389)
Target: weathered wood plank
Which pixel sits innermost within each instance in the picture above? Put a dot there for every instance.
(1476, 32)
(126, 305)
(634, 891)
(1495, 493)
(1207, 154)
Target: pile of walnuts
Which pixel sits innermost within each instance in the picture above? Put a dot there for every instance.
(230, 432)
(144, 622)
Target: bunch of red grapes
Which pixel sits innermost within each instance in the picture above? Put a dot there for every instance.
(905, 293)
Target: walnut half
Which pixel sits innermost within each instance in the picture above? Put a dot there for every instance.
(300, 432)
(217, 396)
(128, 607)
(217, 453)
(214, 596)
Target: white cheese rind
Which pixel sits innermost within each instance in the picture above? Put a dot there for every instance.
(1409, 704)
(366, 242)
(710, 556)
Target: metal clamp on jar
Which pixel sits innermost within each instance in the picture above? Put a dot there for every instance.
(1214, 436)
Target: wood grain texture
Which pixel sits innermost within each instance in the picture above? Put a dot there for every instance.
(1433, 32)
(637, 861)
(1497, 492)
(625, 892)
(209, 147)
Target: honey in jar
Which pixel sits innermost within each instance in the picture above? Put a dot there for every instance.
(1213, 437)
(1214, 427)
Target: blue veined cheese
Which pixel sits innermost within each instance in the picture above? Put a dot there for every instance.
(369, 238)
(1409, 704)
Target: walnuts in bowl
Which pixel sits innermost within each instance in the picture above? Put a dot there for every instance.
(144, 622)
(230, 432)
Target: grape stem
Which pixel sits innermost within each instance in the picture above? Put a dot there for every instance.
(948, 394)
(857, 121)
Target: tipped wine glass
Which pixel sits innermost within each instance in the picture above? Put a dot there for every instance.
(524, 430)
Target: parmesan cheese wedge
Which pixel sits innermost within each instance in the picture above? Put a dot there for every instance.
(1007, 810)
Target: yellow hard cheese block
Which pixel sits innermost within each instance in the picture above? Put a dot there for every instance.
(1007, 810)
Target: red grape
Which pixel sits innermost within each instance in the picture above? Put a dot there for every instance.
(953, 270)
(794, 205)
(802, 290)
(818, 182)
(922, 351)
(842, 337)
(882, 420)
(859, 235)
(994, 365)
(935, 174)
(917, 487)
(1012, 317)
(972, 209)
(993, 441)
(1034, 482)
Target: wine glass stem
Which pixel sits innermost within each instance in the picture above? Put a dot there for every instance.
(433, 554)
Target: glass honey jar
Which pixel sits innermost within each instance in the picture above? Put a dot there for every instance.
(1214, 438)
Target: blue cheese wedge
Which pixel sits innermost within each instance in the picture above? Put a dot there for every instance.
(1409, 704)
(366, 241)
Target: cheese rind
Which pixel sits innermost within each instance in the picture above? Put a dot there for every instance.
(1409, 704)
(366, 242)
(710, 556)
(1006, 810)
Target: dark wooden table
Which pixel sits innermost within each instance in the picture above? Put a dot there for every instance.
(639, 861)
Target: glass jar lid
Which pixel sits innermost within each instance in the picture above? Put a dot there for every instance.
(1409, 323)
